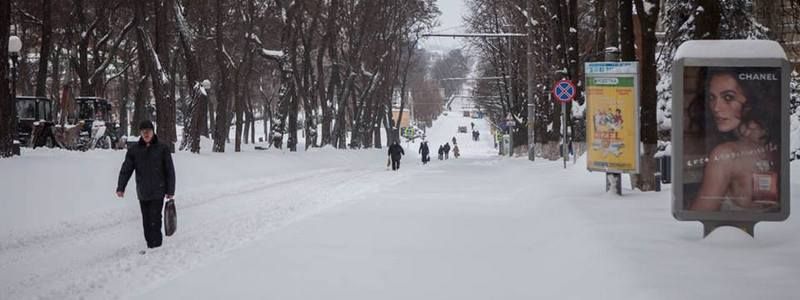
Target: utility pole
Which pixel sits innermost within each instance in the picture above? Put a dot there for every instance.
(531, 86)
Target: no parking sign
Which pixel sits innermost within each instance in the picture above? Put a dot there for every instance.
(564, 90)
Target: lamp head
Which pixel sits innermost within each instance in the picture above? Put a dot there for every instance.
(14, 44)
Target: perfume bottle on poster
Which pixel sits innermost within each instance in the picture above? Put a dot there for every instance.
(765, 185)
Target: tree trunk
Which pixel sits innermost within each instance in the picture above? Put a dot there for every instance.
(577, 123)
(44, 50)
(165, 98)
(600, 34)
(627, 39)
(649, 80)
(222, 128)
(198, 102)
(612, 23)
(123, 103)
(6, 103)
(248, 120)
(239, 107)
(707, 21)
(141, 95)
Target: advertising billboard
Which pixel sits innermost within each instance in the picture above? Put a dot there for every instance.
(612, 117)
(730, 133)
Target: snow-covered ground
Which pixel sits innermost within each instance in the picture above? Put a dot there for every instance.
(335, 224)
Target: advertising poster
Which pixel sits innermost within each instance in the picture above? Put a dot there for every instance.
(731, 139)
(612, 133)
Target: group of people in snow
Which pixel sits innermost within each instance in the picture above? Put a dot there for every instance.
(444, 150)
(475, 134)
(396, 153)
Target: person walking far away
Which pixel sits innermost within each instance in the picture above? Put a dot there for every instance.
(441, 152)
(454, 141)
(446, 150)
(155, 179)
(396, 152)
(456, 153)
(424, 150)
(473, 125)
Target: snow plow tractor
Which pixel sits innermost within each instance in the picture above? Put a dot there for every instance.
(35, 122)
(97, 130)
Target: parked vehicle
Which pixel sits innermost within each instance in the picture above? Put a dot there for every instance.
(35, 121)
(97, 128)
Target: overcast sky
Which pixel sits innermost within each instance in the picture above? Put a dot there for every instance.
(450, 21)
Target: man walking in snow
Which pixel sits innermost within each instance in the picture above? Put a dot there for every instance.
(441, 152)
(424, 150)
(396, 152)
(155, 179)
(446, 150)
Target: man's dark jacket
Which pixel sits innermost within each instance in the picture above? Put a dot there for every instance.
(423, 149)
(155, 174)
(396, 151)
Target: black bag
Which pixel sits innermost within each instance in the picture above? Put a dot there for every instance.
(170, 217)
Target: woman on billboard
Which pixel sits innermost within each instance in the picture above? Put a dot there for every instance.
(739, 112)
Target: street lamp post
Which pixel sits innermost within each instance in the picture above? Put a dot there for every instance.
(205, 106)
(130, 106)
(14, 46)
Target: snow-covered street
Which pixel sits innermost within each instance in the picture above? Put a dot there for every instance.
(332, 224)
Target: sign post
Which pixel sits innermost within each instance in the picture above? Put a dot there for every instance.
(612, 120)
(564, 91)
(730, 133)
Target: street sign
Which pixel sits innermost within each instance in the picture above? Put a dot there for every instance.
(564, 90)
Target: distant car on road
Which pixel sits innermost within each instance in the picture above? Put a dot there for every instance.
(462, 129)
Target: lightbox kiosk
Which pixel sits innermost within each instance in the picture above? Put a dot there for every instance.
(730, 133)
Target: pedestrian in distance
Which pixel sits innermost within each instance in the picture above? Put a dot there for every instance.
(155, 180)
(454, 141)
(446, 150)
(473, 125)
(456, 152)
(441, 152)
(396, 153)
(424, 151)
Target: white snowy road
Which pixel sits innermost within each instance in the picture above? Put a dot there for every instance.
(451, 232)
(472, 230)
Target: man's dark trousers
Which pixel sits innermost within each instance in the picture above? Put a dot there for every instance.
(395, 164)
(151, 220)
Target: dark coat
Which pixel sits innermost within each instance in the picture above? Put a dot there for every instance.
(423, 149)
(446, 148)
(155, 173)
(396, 152)
(441, 150)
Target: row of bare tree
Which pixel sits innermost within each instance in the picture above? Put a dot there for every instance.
(561, 36)
(327, 67)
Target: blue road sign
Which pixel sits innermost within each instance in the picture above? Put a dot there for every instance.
(564, 90)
